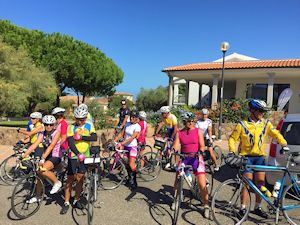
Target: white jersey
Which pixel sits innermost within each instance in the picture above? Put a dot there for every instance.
(130, 129)
(203, 125)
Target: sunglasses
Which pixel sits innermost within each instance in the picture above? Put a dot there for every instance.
(48, 125)
(81, 120)
(33, 118)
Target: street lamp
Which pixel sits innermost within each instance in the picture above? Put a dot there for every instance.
(224, 47)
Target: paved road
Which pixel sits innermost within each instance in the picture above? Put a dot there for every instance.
(148, 205)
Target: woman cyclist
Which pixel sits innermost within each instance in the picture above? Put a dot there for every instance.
(50, 157)
(80, 134)
(190, 139)
(62, 125)
(130, 133)
(143, 134)
(205, 124)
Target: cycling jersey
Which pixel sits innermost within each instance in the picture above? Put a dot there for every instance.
(47, 140)
(63, 128)
(170, 121)
(189, 141)
(34, 137)
(144, 127)
(30, 126)
(122, 113)
(81, 145)
(130, 129)
(252, 137)
(89, 119)
(204, 125)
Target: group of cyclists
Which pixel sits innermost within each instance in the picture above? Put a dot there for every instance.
(50, 137)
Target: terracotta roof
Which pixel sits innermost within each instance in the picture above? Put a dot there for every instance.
(253, 64)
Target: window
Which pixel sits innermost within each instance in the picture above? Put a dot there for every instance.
(258, 91)
(277, 89)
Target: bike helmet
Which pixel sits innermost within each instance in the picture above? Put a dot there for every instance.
(188, 116)
(80, 113)
(165, 109)
(205, 111)
(134, 113)
(58, 111)
(142, 114)
(36, 115)
(49, 119)
(83, 106)
(258, 105)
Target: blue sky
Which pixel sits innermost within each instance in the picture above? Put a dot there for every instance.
(144, 36)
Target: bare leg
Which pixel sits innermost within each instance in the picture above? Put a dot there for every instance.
(203, 189)
(78, 189)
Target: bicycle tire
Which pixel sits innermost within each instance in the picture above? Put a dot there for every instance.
(10, 173)
(291, 193)
(209, 173)
(112, 173)
(28, 182)
(226, 199)
(219, 154)
(148, 148)
(90, 198)
(177, 199)
(151, 168)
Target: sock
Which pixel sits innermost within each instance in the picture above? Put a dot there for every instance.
(67, 203)
(75, 201)
(243, 206)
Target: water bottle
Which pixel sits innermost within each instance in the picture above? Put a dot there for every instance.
(189, 176)
(276, 189)
(265, 191)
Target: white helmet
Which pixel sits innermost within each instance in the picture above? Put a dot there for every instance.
(58, 110)
(36, 115)
(83, 106)
(142, 114)
(80, 113)
(165, 109)
(49, 119)
(205, 111)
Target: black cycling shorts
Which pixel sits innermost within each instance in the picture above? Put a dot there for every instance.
(55, 160)
(74, 166)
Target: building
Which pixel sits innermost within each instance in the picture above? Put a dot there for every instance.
(103, 102)
(125, 95)
(244, 77)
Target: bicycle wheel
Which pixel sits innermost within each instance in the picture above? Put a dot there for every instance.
(291, 203)
(226, 203)
(149, 166)
(209, 179)
(177, 199)
(22, 193)
(90, 198)
(148, 148)
(112, 173)
(10, 171)
(219, 154)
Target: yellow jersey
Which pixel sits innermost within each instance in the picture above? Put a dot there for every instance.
(81, 145)
(252, 137)
(170, 121)
(34, 137)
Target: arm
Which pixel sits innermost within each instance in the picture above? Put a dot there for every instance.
(174, 131)
(120, 135)
(51, 146)
(124, 121)
(275, 134)
(209, 131)
(134, 135)
(72, 146)
(33, 146)
(201, 141)
(93, 137)
(158, 128)
(34, 131)
(234, 137)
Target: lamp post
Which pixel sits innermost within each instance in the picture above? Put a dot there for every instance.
(224, 47)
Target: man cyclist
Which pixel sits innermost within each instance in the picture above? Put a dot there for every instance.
(79, 136)
(205, 124)
(89, 118)
(123, 114)
(252, 134)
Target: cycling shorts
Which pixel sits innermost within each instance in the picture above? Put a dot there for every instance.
(197, 164)
(132, 151)
(255, 160)
(74, 166)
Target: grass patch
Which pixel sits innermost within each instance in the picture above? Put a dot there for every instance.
(14, 123)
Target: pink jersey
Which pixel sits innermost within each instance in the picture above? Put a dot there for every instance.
(144, 128)
(56, 151)
(189, 142)
(63, 127)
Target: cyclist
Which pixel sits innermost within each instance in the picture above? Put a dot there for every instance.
(171, 123)
(79, 134)
(50, 156)
(191, 140)
(205, 124)
(123, 114)
(143, 134)
(130, 133)
(58, 113)
(89, 118)
(252, 134)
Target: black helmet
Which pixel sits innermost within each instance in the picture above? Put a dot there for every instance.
(134, 113)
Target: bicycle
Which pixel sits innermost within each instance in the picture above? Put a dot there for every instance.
(113, 171)
(26, 188)
(164, 151)
(226, 199)
(192, 185)
(10, 171)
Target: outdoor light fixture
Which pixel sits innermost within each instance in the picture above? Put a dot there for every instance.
(224, 47)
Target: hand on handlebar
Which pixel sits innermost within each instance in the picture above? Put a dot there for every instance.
(284, 149)
(81, 157)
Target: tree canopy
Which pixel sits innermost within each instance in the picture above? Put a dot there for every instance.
(74, 64)
(22, 84)
(152, 99)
